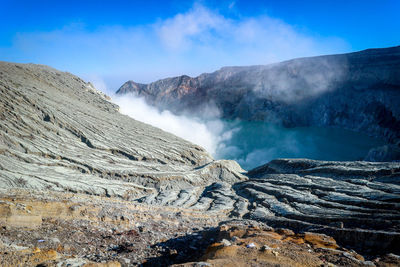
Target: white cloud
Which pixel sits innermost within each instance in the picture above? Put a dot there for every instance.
(254, 40)
(194, 27)
(198, 40)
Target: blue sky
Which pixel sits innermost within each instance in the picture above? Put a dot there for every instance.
(109, 42)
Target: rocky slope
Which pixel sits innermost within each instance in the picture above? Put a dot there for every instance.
(82, 184)
(55, 126)
(357, 91)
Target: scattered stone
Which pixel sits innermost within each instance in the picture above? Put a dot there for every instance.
(265, 248)
(126, 261)
(276, 253)
(226, 243)
(394, 256)
(251, 245)
(54, 240)
(368, 263)
(202, 264)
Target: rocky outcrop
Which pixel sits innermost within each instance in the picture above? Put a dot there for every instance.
(357, 91)
(241, 243)
(350, 201)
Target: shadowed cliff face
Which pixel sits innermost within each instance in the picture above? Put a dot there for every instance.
(358, 91)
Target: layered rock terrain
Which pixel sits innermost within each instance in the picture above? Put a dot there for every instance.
(357, 91)
(82, 184)
(54, 125)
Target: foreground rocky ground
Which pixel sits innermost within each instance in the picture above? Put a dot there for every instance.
(69, 229)
(83, 185)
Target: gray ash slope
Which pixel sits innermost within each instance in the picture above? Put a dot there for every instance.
(356, 91)
(59, 133)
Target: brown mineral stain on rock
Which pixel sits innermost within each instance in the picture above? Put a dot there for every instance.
(294, 239)
(271, 247)
(107, 264)
(18, 215)
(218, 250)
(320, 240)
(27, 257)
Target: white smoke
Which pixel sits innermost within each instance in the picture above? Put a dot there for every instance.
(208, 134)
(251, 144)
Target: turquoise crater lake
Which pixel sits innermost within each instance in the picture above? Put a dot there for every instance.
(255, 143)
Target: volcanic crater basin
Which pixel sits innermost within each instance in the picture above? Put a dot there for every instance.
(357, 91)
(82, 184)
(252, 143)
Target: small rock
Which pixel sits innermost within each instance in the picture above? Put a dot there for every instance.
(54, 240)
(284, 231)
(369, 263)
(202, 264)
(276, 253)
(351, 257)
(265, 247)
(125, 261)
(251, 245)
(391, 255)
(18, 247)
(173, 252)
(226, 243)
